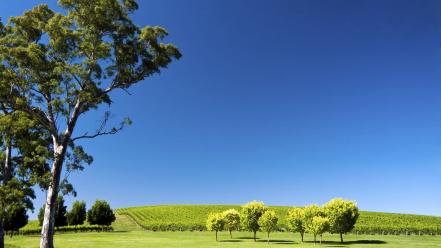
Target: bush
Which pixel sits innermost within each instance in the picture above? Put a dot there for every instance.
(60, 213)
(100, 214)
(15, 219)
(66, 229)
(77, 215)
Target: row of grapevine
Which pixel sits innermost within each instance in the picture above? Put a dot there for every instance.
(193, 218)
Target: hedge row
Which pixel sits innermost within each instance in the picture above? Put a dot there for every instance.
(67, 229)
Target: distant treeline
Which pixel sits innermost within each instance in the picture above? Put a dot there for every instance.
(99, 218)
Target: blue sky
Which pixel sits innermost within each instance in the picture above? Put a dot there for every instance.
(288, 102)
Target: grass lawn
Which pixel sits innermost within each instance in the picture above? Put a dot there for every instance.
(135, 239)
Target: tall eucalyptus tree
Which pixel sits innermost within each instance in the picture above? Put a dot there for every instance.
(56, 67)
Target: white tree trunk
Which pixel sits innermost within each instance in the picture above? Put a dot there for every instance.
(47, 230)
(7, 174)
(60, 148)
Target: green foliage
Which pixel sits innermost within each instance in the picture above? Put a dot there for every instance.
(268, 222)
(60, 212)
(100, 214)
(77, 214)
(215, 222)
(231, 220)
(32, 230)
(15, 199)
(342, 215)
(319, 225)
(16, 218)
(250, 214)
(311, 211)
(296, 220)
(41, 216)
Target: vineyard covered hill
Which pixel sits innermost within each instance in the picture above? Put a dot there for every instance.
(193, 217)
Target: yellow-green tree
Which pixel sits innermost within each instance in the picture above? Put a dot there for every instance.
(268, 222)
(231, 220)
(342, 215)
(249, 217)
(215, 222)
(319, 225)
(296, 220)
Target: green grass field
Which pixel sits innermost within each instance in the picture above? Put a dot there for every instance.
(135, 239)
(130, 234)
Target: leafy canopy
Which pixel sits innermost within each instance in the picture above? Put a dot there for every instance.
(319, 225)
(60, 212)
(296, 219)
(251, 212)
(77, 214)
(100, 214)
(58, 66)
(15, 219)
(231, 219)
(342, 215)
(311, 211)
(215, 222)
(268, 221)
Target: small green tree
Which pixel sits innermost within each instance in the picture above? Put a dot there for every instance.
(310, 212)
(215, 222)
(41, 216)
(295, 220)
(342, 216)
(231, 220)
(15, 219)
(60, 213)
(251, 212)
(318, 226)
(100, 214)
(77, 215)
(268, 222)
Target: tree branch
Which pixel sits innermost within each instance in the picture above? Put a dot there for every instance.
(101, 129)
(101, 133)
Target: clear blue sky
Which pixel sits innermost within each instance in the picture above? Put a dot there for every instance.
(288, 102)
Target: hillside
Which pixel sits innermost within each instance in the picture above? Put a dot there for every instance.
(193, 217)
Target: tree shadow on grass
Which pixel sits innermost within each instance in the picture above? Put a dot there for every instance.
(11, 246)
(278, 241)
(246, 238)
(231, 240)
(273, 241)
(371, 241)
(346, 243)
